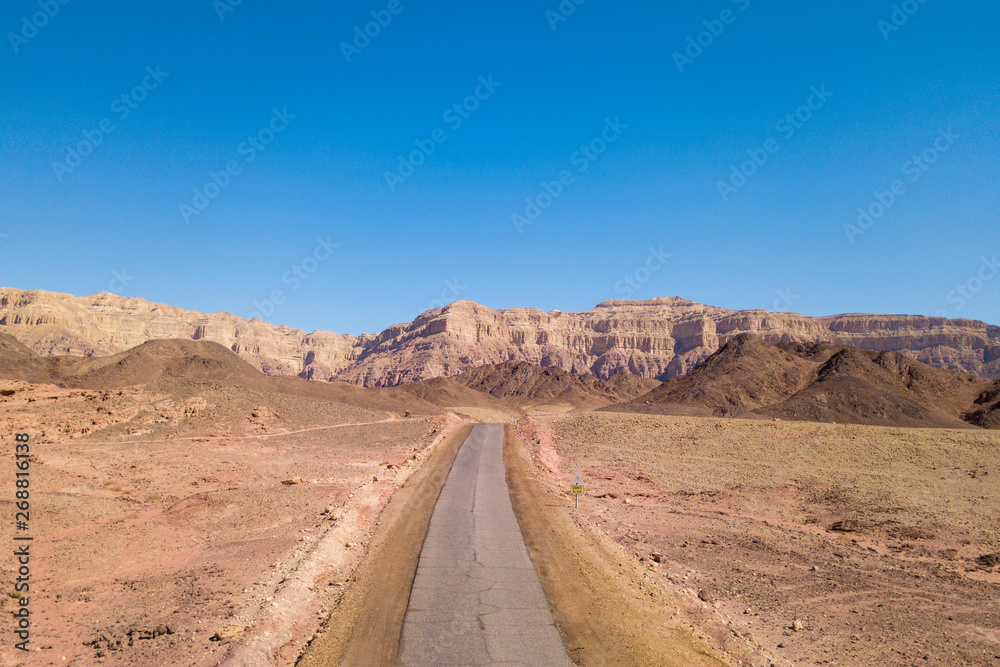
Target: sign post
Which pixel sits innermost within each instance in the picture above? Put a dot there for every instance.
(576, 488)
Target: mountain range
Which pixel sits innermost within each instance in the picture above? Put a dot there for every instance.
(662, 339)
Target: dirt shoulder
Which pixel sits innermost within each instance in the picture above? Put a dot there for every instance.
(608, 609)
(364, 627)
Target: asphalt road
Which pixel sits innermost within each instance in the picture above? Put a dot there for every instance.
(476, 598)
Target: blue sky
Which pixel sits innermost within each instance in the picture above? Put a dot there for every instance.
(225, 157)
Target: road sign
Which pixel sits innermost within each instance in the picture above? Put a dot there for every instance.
(576, 488)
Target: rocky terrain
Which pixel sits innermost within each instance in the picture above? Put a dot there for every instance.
(823, 382)
(807, 543)
(529, 385)
(185, 505)
(659, 338)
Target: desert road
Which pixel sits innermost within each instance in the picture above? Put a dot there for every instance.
(476, 598)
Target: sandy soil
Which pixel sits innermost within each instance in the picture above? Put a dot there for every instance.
(164, 535)
(737, 519)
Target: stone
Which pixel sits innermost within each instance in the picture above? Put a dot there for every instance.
(227, 632)
(988, 560)
(846, 526)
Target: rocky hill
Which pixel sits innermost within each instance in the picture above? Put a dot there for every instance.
(659, 338)
(824, 382)
(523, 383)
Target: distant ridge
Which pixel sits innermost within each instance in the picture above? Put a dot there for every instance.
(659, 338)
(524, 383)
(824, 382)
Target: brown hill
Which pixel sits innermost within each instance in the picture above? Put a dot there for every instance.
(17, 362)
(823, 382)
(447, 393)
(184, 368)
(659, 338)
(530, 384)
(147, 364)
(744, 375)
(160, 361)
(12, 348)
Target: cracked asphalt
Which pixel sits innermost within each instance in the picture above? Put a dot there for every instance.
(476, 598)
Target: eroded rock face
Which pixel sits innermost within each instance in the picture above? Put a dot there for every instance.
(659, 338)
(60, 324)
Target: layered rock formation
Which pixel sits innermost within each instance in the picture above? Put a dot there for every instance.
(59, 324)
(659, 338)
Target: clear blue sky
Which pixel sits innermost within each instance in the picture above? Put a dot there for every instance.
(931, 86)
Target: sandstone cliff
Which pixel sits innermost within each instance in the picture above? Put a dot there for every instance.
(659, 338)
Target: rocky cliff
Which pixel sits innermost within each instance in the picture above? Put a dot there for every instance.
(659, 338)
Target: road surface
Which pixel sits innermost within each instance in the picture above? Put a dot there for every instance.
(476, 597)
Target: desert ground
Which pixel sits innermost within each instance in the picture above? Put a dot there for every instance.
(795, 543)
(164, 535)
(189, 510)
